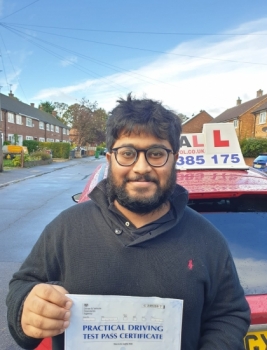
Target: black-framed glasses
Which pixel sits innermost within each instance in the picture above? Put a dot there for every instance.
(155, 156)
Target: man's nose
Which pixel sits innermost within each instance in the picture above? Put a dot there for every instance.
(141, 165)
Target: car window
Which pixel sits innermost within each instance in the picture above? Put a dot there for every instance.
(244, 224)
(264, 158)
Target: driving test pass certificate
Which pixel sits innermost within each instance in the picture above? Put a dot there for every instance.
(124, 323)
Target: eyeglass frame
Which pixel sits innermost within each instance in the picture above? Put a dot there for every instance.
(114, 150)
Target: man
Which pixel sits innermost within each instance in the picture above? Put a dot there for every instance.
(136, 237)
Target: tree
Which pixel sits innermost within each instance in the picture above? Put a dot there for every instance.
(88, 121)
(61, 108)
(183, 117)
(47, 107)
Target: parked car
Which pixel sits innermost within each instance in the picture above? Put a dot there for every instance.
(261, 162)
(233, 197)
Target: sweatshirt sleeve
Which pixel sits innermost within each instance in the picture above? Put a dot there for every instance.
(226, 315)
(35, 269)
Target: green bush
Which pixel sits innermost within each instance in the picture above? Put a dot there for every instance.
(253, 147)
(32, 145)
(6, 143)
(40, 155)
(59, 149)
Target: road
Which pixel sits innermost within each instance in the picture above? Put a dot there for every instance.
(25, 208)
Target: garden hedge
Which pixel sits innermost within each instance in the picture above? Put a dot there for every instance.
(253, 147)
(59, 149)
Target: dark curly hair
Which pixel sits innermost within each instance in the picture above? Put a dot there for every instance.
(143, 116)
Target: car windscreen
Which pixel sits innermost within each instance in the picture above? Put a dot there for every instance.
(261, 158)
(243, 221)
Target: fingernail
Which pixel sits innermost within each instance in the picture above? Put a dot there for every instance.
(66, 324)
(68, 304)
(67, 316)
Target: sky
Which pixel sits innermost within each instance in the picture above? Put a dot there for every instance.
(192, 54)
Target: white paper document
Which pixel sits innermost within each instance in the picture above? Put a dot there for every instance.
(124, 323)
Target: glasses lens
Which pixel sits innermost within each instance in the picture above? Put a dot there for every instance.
(156, 156)
(126, 155)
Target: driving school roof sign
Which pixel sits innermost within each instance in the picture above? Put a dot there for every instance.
(217, 147)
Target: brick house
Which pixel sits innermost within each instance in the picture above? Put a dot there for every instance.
(29, 123)
(260, 114)
(195, 124)
(249, 118)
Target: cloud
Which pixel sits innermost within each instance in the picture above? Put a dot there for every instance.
(207, 73)
(68, 61)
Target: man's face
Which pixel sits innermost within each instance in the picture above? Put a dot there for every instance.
(140, 187)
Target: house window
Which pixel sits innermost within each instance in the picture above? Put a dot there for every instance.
(68, 132)
(64, 131)
(10, 117)
(236, 123)
(57, 129)
(41, 125)
(29, 122)
(29, 138)
(10, 137)
(262, 117)
(52, 127)
(41, 139)
(1, 116)
(50, 140)
(47, 127)
(18, 119)
(57, 140)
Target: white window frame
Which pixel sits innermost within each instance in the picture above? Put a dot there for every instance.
(236, 123)
(41, 125)
(19, 119)
(52, 127)
(57, 140)
(68, 132)
(29, 122)
(262, 118)
(10, 117)
(29, 137)
(64, 131)
(57, 129)
(10, 138)
(49, 140)
(41, 139)
(47, 127)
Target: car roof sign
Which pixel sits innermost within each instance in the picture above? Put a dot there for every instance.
(217, 147)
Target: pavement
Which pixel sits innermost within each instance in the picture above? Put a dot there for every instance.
(13, 175)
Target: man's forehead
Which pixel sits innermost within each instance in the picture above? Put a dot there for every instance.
(140, 138)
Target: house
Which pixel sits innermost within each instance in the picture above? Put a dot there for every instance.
(249, 118)
(195, 124)
(19, 121)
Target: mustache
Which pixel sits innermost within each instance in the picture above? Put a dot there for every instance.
(144, 177)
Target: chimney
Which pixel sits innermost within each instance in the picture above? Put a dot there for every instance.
(259, 93)
(54, 114)
(32, 104)
(11, 94)
(41, 107)
(238, 101)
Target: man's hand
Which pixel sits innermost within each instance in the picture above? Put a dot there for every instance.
(46, 311)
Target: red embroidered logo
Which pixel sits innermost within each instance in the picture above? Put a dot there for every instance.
(190, 264)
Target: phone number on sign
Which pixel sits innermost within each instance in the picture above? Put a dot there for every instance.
(215, 159)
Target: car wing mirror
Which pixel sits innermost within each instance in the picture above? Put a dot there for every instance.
(76, 197)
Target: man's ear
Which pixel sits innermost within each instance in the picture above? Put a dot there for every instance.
(176, 156)
(108, 157)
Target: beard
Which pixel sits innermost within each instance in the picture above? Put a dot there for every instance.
(139, 203)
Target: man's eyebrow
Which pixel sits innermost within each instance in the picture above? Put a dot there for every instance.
(150, 146)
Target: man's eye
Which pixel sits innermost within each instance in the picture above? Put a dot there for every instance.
(127, 154)
(156, 154)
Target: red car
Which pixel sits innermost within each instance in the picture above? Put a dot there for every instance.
(234, 198)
